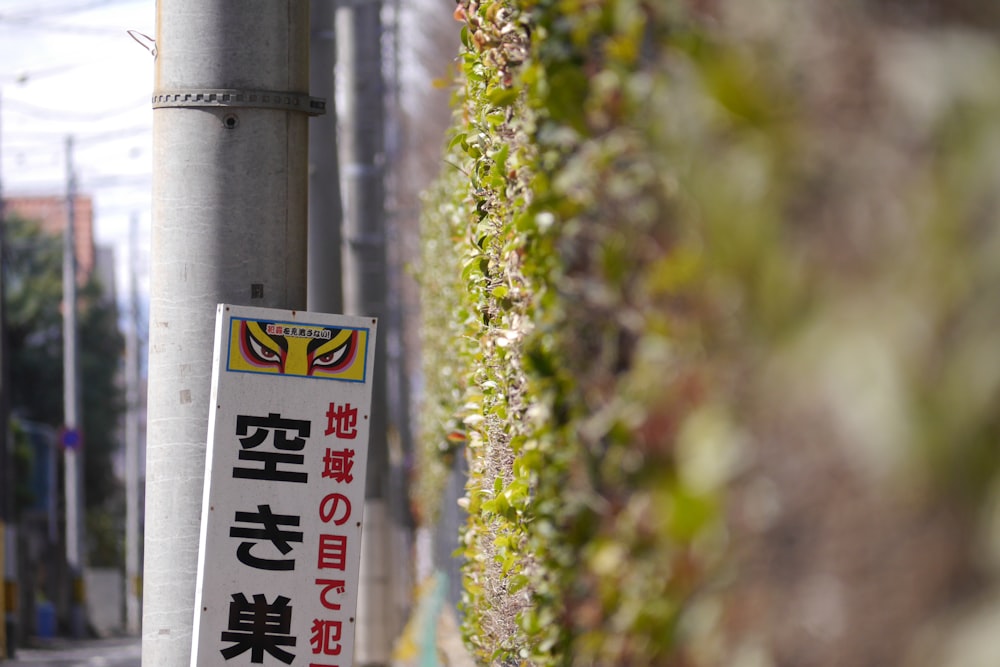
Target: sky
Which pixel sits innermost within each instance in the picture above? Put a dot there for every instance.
(70, 68)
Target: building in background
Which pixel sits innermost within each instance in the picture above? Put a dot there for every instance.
(50, 213)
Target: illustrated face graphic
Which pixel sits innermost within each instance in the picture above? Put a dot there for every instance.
(294, 349)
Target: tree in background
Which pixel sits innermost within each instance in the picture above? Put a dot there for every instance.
(32, 283)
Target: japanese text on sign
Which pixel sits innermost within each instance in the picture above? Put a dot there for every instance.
(281, 530)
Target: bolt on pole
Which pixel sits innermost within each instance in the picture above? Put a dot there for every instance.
(229, 225)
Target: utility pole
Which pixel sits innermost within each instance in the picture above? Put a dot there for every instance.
(229, 225)
(398, 378)
(325, 294)
(6, 474)
(132, 443)
(71, 438)
(359, 38)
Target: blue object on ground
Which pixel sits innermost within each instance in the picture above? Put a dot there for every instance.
(46, 620)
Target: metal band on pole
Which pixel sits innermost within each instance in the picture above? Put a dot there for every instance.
(250, 99)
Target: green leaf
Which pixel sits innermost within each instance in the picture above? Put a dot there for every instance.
(459, 138)
(517, 583)
(503, 97)
(500, 158)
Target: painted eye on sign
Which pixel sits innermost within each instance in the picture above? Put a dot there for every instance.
(287, 348)
(284, 489)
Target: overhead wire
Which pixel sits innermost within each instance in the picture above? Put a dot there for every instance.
(66, 18)
(32, 74)
(96, 31)
(25, 140)
(40, 18)
(49, 113)
(112, 135)
(66, 8)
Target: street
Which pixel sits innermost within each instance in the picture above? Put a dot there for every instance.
(123, 652)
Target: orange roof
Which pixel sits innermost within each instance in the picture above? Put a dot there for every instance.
(51, 213)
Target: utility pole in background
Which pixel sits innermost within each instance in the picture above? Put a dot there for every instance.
(7, 532)
(71, 437)
(229, 225)
(397, 298)
(325, 293)
(359, 42)
(133, 405)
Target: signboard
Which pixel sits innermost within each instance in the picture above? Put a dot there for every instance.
(70, 438)
(284, 489)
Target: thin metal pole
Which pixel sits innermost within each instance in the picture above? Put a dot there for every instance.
(6, 486)
(73, 477)
(132, 444)
(6, 477)
(229, 225)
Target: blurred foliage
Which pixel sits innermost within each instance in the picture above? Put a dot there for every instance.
(32, 284)
(23, 463)
(710, 292)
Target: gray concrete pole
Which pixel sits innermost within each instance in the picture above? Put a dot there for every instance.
(6, 486)
(7, 617)
(325, 293)
(132, 444)
(72, 441)
(229, 225)
(362, 135)
(359, 33)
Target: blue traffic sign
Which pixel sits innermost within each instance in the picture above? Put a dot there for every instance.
(70, 438)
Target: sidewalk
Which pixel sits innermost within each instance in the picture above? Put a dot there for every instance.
(432, 637)
(118, 652)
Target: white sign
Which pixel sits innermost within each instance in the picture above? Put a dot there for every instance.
(284, 489)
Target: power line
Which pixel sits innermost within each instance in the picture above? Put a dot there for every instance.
(116, 180)
(47, 141)
(95, 31)
(48, 113)
(114, 135)
(25, 76)
(67, 8)
(39, 18)
(87, 183)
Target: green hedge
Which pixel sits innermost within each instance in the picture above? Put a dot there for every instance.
(693, 274)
